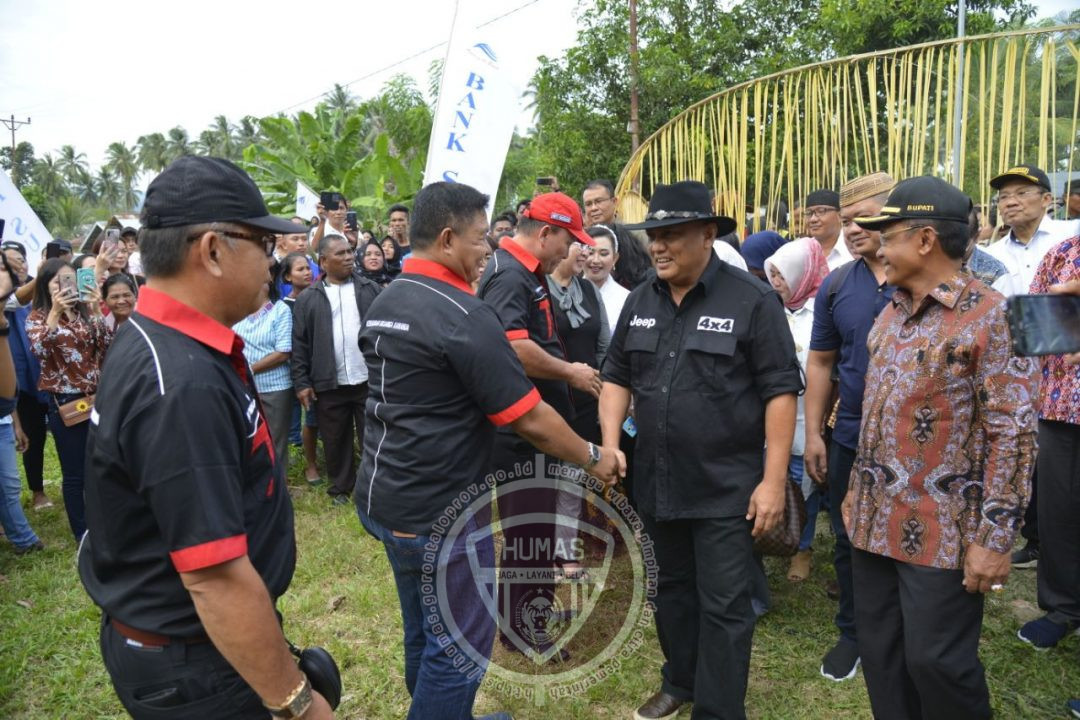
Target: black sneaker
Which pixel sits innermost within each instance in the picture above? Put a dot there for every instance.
(1026, 557)
(32, 547)
(841, 662)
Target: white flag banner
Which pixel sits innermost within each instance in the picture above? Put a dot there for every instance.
(478, 104)
(22, 223)
(306, 200)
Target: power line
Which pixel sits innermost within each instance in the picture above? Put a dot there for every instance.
(402, 61)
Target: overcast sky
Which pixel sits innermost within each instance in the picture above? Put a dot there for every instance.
(90, 73)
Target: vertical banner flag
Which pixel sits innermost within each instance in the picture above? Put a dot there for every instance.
(306, 200)
(23, 223)
(477, 107)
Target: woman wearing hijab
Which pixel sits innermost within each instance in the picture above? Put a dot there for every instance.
(373, 264)
(759, 246)
(796, 270)
(392, 255)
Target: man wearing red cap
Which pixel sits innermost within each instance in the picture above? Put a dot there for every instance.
(515, 285)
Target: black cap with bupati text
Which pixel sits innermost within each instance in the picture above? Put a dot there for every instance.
(195, 190)
(1030, 173)
(920, 198)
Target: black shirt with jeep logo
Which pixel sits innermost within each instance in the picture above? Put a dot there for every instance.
(701, 373)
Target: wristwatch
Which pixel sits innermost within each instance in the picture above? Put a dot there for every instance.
(296, 704)
(594, 457)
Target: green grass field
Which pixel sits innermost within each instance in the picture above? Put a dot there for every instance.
(343, 597)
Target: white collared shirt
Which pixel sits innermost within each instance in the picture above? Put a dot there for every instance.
(1022, 261)
(614, 296)
(839, 255)
(345, 320)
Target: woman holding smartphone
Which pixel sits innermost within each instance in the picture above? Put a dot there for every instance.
(69, 338)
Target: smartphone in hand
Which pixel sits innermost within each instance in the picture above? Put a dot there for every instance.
(67, 285)
(86, 282)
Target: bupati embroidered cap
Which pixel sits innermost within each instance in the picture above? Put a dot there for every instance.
(920, 198)
(682, 202)
(1032, 174)
(195, 190)
(560, 210)
(864, 187)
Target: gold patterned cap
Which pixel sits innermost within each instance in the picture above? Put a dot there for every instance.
(866, 186)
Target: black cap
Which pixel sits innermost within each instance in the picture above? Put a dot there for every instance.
(1072, 187)
(1030, 173)
(14, 245)
(195, 190)
(64, 245)
(921, 198)
(828, 198)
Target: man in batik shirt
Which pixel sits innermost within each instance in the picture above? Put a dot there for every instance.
(943, 467)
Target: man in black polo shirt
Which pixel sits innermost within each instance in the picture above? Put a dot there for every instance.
(190, 539)
(515, 285)
(706, 353)
(443, 376)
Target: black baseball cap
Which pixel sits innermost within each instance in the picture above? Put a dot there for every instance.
(920, 198)
(1030, 173)
(14, 245)
(64, 245)
(195, 190)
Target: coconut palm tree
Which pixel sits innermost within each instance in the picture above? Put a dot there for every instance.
(48, 176)
(340, 100)
(226, 144)
(152, 152)
(84, 187)
(69, 215)
(108, 188)
(71, 161)
(177, 143)
(247, 132)
(124, 163)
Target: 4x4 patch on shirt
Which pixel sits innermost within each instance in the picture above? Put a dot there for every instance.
(715, 324)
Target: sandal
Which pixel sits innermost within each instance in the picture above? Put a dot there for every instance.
(799, 569)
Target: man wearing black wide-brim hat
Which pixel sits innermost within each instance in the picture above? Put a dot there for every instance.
(705, 351)
(190, 540)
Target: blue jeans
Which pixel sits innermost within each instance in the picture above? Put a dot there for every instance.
(439, 689)
(12, 516)
(813, 501)
(71, 449)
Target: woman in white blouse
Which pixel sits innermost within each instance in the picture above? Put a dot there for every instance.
(598, 271)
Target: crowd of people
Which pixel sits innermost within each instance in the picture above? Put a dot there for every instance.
(857, 353)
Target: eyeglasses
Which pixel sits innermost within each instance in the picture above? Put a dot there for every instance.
(885, 236)
(1019, 195)
(597, 201)
(582, 248)
(267, 240)
(818, 212)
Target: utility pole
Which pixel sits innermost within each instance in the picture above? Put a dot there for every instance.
(13, 125)
(634, 138)
(958, 108)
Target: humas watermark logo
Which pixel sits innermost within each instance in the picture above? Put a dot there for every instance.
(567, 579)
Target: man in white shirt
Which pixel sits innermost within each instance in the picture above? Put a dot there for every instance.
(1024, 197)
(327, 364)
(822, 218)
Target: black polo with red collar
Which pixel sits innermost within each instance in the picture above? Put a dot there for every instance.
(442, 376)
(515, 286)
(180, 470)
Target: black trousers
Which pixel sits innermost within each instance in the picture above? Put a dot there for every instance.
(32, 417)
(1059, 520)
(919, 640)
(341, 414)
(841, 459)
(176, 681)
(704, 618)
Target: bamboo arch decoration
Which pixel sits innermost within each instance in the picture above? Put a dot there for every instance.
(823, 124)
